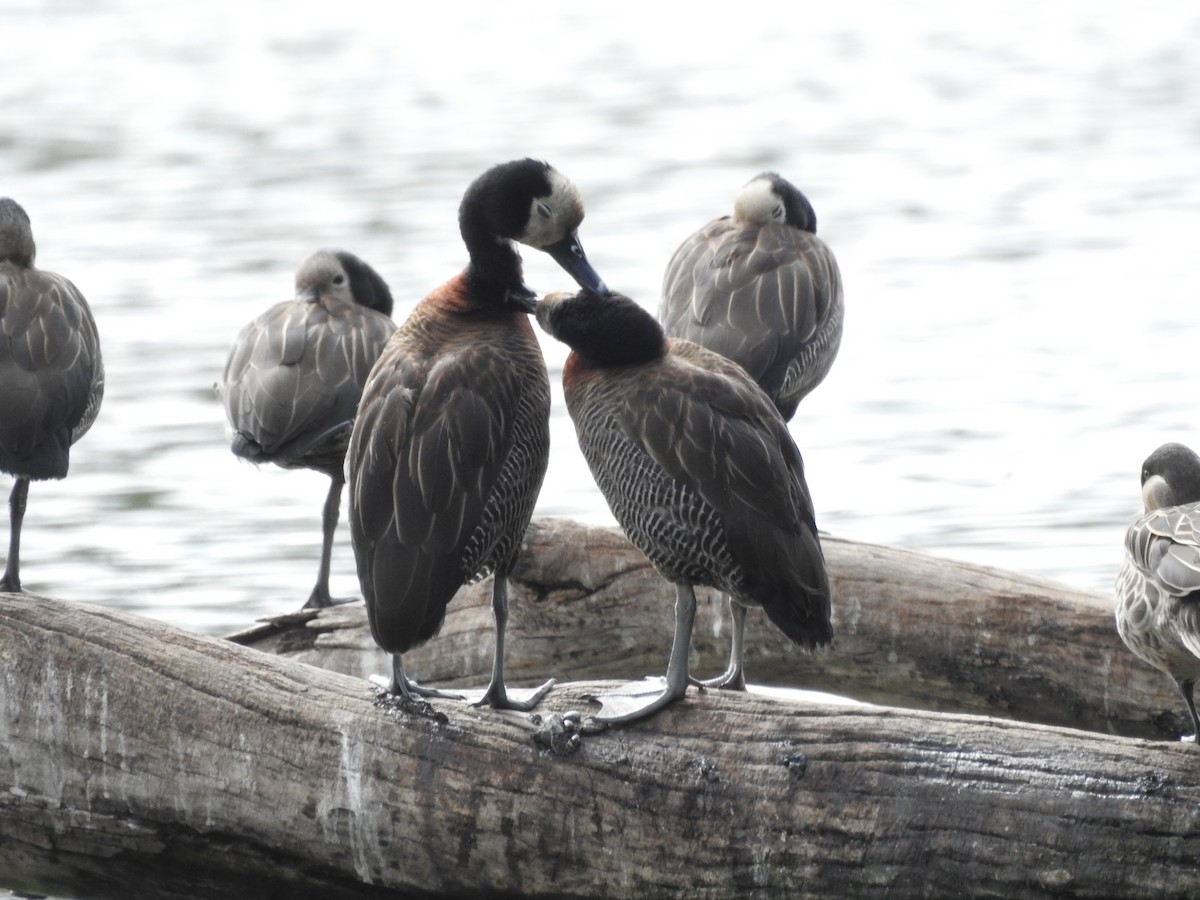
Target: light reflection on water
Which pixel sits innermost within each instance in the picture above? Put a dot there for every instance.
(1013, 202)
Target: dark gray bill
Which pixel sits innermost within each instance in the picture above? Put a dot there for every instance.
(569, 254)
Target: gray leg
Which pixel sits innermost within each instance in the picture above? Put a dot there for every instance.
(320, 597)
(621, 709)
(11, 581)
(734, 677)
(685, 618)
(497, 694)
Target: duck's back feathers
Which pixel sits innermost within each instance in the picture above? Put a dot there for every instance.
(293, 379)
(1159, 626)
(701, 472)
(767, 296)
(51, 371)
(762, 289)
(1158, 589)
(1164, 546)
(449, 454)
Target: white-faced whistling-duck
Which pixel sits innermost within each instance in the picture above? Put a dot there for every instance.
(1158, 587)
(452, 437)
(762, 289)
(295, 375)
(699, 469)
(51, 372)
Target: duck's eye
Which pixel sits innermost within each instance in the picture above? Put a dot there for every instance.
(779, 214)
(339, 279)
(543, 210)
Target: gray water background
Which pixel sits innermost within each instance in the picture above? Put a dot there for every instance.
(1012, 194)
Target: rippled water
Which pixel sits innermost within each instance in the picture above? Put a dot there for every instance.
(1013, 199)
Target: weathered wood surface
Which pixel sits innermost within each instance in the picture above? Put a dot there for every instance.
(910, 630)
(135, 758)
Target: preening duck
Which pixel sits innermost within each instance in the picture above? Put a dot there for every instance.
(295, 375)
(452, 437)
(699, 469)
(51, 372)
(762, 289)
(1158, 587)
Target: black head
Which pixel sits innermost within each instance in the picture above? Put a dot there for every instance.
(501, 201)
(1170, 477)
(608, 329)
(769, 197)
(16, 234)
(531, 202)
(366, 285)
(343, 276)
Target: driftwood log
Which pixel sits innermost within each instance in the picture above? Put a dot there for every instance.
(138, 759)
(910, 630)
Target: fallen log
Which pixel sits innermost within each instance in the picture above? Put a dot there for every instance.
(136, 755)
(910, 630)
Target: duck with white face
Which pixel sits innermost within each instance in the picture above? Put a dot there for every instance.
(452, 437)
(1158, 586)
(296, 372)
(763, 290)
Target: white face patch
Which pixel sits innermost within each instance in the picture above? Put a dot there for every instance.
(323, 277)
(759, 204)
(554, 216)
(1156, 493)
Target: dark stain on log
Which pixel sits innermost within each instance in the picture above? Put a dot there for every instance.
(796, 764)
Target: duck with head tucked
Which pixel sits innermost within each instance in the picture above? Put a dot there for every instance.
(51, 372)
(698, 468)
(763, 290)
(1158, 587)
(295, 374)
(452, 437)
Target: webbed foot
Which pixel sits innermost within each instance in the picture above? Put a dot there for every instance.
(637, 700)
(729, 680)
(498, 696)
(410, 690)
(319, 599)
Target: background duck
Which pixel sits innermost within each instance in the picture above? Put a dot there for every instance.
(452, 438)
(295, 374)
(1158, 587)
(51, 372)
(762, 289)
(699, 469)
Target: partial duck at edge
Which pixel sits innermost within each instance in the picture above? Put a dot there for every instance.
(51, 372)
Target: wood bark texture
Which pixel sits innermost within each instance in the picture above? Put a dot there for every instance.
(910, 630)
(138, 759)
